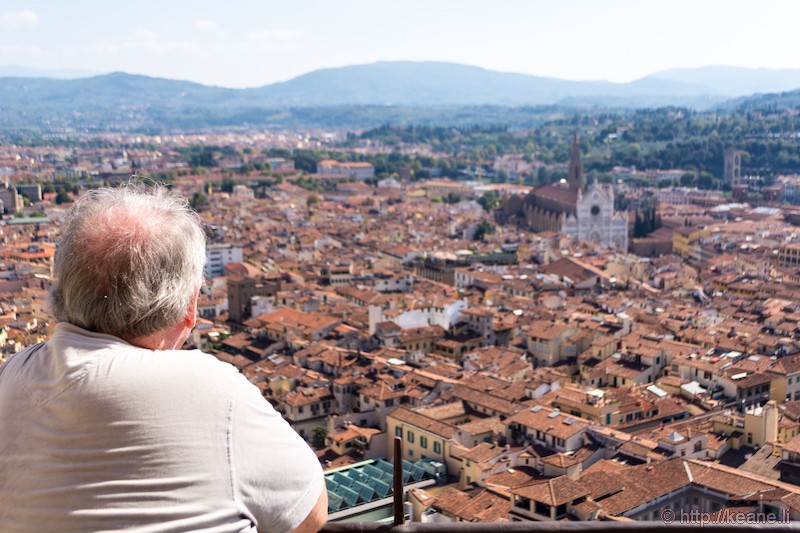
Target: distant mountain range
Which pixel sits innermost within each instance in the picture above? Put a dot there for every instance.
(735, 81)
(16, 71)
(37, 98)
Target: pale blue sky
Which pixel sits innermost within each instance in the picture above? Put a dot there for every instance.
(247, 43)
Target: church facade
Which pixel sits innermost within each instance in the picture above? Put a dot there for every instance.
(571, 209)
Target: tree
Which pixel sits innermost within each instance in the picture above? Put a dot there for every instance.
(227, 185)
(687, 180)
(647, 223)
(305, 162)
(452, 198)
(489, 200)
(484, 228)
(204, 159)
(318, 434)
(707, 181)
(638, 226)
(198, 199)
(63, 197)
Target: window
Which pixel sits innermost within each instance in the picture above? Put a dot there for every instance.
(300, 409)
(437, 447)
(522, 503)
(542, 509)
(423, 441)
(398, 431)
(410, 437)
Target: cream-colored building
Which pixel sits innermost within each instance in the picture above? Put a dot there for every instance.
(758, 426)
(443, 433)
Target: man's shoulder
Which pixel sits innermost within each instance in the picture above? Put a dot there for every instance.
(135, 369)
(183, 362)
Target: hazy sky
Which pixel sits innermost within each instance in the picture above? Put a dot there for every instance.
(238, 43)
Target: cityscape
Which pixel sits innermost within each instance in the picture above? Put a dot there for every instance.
(550, 339)
(558, 299)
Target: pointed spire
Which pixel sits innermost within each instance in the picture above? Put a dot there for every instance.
(575, 165)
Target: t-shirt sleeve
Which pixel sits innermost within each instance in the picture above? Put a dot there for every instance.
(275, 474)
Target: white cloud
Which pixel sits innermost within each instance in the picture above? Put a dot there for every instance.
(23, 50)
(205, 25)
(148, 40)
(209, 26)
(273, 40)
(274, 35)
(145, 35)
(10, 20)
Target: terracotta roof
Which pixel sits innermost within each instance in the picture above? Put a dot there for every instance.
(306, 396)
(553, 492)
(483, 425)
(481, 398)
(422, 421)
(569, 268)
(513, 478)
(558, 193)
(477, 506)
(484, 451)
(561, 425)
(561, 460)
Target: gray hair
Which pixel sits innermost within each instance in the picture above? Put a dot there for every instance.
(129, 263)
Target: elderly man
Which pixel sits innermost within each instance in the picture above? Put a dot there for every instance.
(109, 426)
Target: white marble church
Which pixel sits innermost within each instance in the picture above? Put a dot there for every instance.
(571, 209)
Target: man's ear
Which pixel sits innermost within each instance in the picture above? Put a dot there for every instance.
(191, 313)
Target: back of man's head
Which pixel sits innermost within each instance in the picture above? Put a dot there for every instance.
(129, 263)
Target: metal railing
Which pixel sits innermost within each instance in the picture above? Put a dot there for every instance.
(557, 527)
(399, 525)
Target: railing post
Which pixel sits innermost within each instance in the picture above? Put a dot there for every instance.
(397, 483)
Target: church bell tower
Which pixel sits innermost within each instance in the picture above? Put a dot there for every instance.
(575, 165)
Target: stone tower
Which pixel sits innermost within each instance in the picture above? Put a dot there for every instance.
(733, 167)
(575, 165)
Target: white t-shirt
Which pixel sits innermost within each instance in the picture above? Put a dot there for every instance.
(99, 435)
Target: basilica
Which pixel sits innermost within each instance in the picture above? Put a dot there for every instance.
(570, 208)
